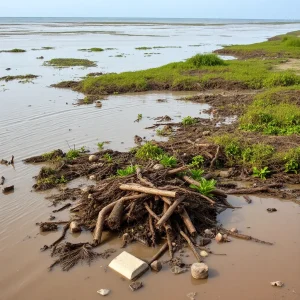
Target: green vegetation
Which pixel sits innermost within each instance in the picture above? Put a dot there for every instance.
(291, 160)
(197, 174)
(74, 153)
(187, 121)
(261, 173)
(205, 187)
(52, 180)
(92, 50)
(197, 161)
(108, 157)
(16, 50)
(69, 62)
(166, 131)
(18, 77)
(164, 47)
(43, 48)
(143, 48)
(280, 46)
(168, 161)
(273, 113)
(148, 151)
(139, 117)
(100, 146)
(127, 171)
(200, 60)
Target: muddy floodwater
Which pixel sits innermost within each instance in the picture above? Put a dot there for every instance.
(35, 118)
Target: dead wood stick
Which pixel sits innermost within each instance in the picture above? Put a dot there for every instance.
(65, 229)
(215, 157)
(198, 145)
(169, 212)
(166, 200)
(8, 189)
(188, 223)
(159, 253)
(132, 206)
(261, 189)
(193, 248)
(160, 124)
(177, 170)
(76, 208)
(104, 211)
(54, 222)
(169, 235)
(142, 179)
(244, 236)
(152, 229)
(2, 180)
(151, 191)
(62, 208)
(115, 218)
(248, 199)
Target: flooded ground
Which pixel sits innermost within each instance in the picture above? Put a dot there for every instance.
(35, 118)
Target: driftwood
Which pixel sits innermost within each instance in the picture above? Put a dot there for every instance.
(244, 236)
(8, 189)
(143, 180)
(2, 180)
(188, 223)
(261, 189)
(215, 158)
(151, 191)
(159, 253)
(115, 218)
(248, 199)
(62, 208)
(106, 210)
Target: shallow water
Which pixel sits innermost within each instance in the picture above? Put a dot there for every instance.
(35, 118)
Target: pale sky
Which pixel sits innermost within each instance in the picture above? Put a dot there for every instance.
(241, 9)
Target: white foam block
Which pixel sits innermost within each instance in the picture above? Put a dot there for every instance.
(128, 265)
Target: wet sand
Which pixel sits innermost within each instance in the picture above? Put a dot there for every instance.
(36, 119)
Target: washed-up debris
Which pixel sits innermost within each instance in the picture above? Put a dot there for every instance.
(191, 296)
(103, 292)
(234, 230)
(199, 270)
(93, 158)
(277, 283)
(75, 227)
(2, 180)
(177, 270)
(248, 199)
(203, 253)
(128, 265)
(62, 208)
(8, 189)
(270, 210)
(219, 238)
(156, 266)
(136, 285)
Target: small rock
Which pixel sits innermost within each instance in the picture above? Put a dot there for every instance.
(92, 177)
(234, 230)
(103, 292)
(277, 283)
(219, 237)
(51, 218)
(271, 209)
(199, 270)
(177, 270)
(98, 103)
(208, 233)
(93, 158)
(156, 266)
(204, 241)
(224, 174)
(74, 227)
(205, 133)
(85, 189)
(8, 69)
(191, 295)
(136, 286)
(203, 253)
(158, 167)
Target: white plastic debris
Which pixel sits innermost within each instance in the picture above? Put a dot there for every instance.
(277, 283)
(203, 253)
(103, 292)
(128, 265)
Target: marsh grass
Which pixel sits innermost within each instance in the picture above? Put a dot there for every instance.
(19, 77)
(92, 50)
(15, 50)
(69, 62)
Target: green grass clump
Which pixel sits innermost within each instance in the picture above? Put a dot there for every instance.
(200, 60)
(196, 174)
(19, 77)
(108, 157)
(187, 121)
(143, 48)
(291, 160)
(52, 180)
(205, 187)
(100, 146)
(272, 114)
(74, 153)
(92, 50)
(291, 41)
(16, 50)
(149, 151)
(70, 62)
(127, 171)
(168, 161)
(286, 78)
(197, 161)
(261, 173)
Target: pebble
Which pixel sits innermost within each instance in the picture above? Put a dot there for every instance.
(103, 292)
(74, 227)
(177, 270)
(156, 266)
(191, 295)
(208, 233)
(219, 237)
(136, 286)
(199, 270)
(271, 209)
(93, 158)
(203, 253)
(158, 167)
(277, 283)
